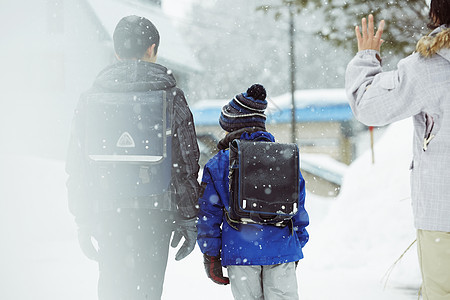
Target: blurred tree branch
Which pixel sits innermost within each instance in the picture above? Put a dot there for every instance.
(405, 19)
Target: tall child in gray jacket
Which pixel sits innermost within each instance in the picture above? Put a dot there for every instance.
(419, 88)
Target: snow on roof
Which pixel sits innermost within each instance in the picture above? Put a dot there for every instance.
(315, 105)
(210, 103)
(172, 50)
(304, 98)
(324, 166)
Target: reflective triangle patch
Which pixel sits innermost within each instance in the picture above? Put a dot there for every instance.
(125, 141)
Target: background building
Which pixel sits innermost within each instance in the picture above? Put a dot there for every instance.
(326, 131)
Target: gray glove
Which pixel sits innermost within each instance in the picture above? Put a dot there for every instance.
(188, 230)
(85, 241)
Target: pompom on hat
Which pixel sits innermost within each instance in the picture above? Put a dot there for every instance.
(245, 110)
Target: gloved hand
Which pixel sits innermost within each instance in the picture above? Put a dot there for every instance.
(213, 268)
(188, 230)
(85, 241)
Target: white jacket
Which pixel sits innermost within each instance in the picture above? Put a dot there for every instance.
(419, 88)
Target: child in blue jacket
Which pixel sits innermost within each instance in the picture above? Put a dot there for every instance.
(260, 259)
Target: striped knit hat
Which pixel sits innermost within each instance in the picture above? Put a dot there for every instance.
(245, 110)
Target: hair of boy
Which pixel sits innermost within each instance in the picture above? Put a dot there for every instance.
(133, 36)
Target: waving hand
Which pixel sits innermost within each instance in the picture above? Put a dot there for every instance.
(368, 40)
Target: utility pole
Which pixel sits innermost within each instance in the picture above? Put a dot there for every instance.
(291, 6)
(292, 69)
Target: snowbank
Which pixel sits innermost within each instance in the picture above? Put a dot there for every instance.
(368, 227)
(354, 238)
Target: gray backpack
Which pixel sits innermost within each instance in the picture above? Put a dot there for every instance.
(128, 147)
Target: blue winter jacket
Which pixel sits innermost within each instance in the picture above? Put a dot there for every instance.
(252, 244)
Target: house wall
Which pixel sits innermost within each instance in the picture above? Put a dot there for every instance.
(317, 137)
(51, 58)
(326, 138)
(87, 47)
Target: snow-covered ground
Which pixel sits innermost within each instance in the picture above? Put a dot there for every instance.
(354, 239)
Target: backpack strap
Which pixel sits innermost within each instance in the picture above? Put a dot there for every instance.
(233, 224)
(236, 224)
(262, 138)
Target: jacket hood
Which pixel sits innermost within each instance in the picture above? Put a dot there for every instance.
(134, 76)
(437, 42)
(258, 136)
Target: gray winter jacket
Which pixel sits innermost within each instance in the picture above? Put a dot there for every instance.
(132, 77)
(419, 88)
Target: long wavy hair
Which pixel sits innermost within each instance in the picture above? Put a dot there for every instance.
(439, 13)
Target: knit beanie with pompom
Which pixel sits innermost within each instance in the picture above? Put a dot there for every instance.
(245, 110)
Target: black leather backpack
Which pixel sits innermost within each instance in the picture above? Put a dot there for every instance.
(264, 182)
